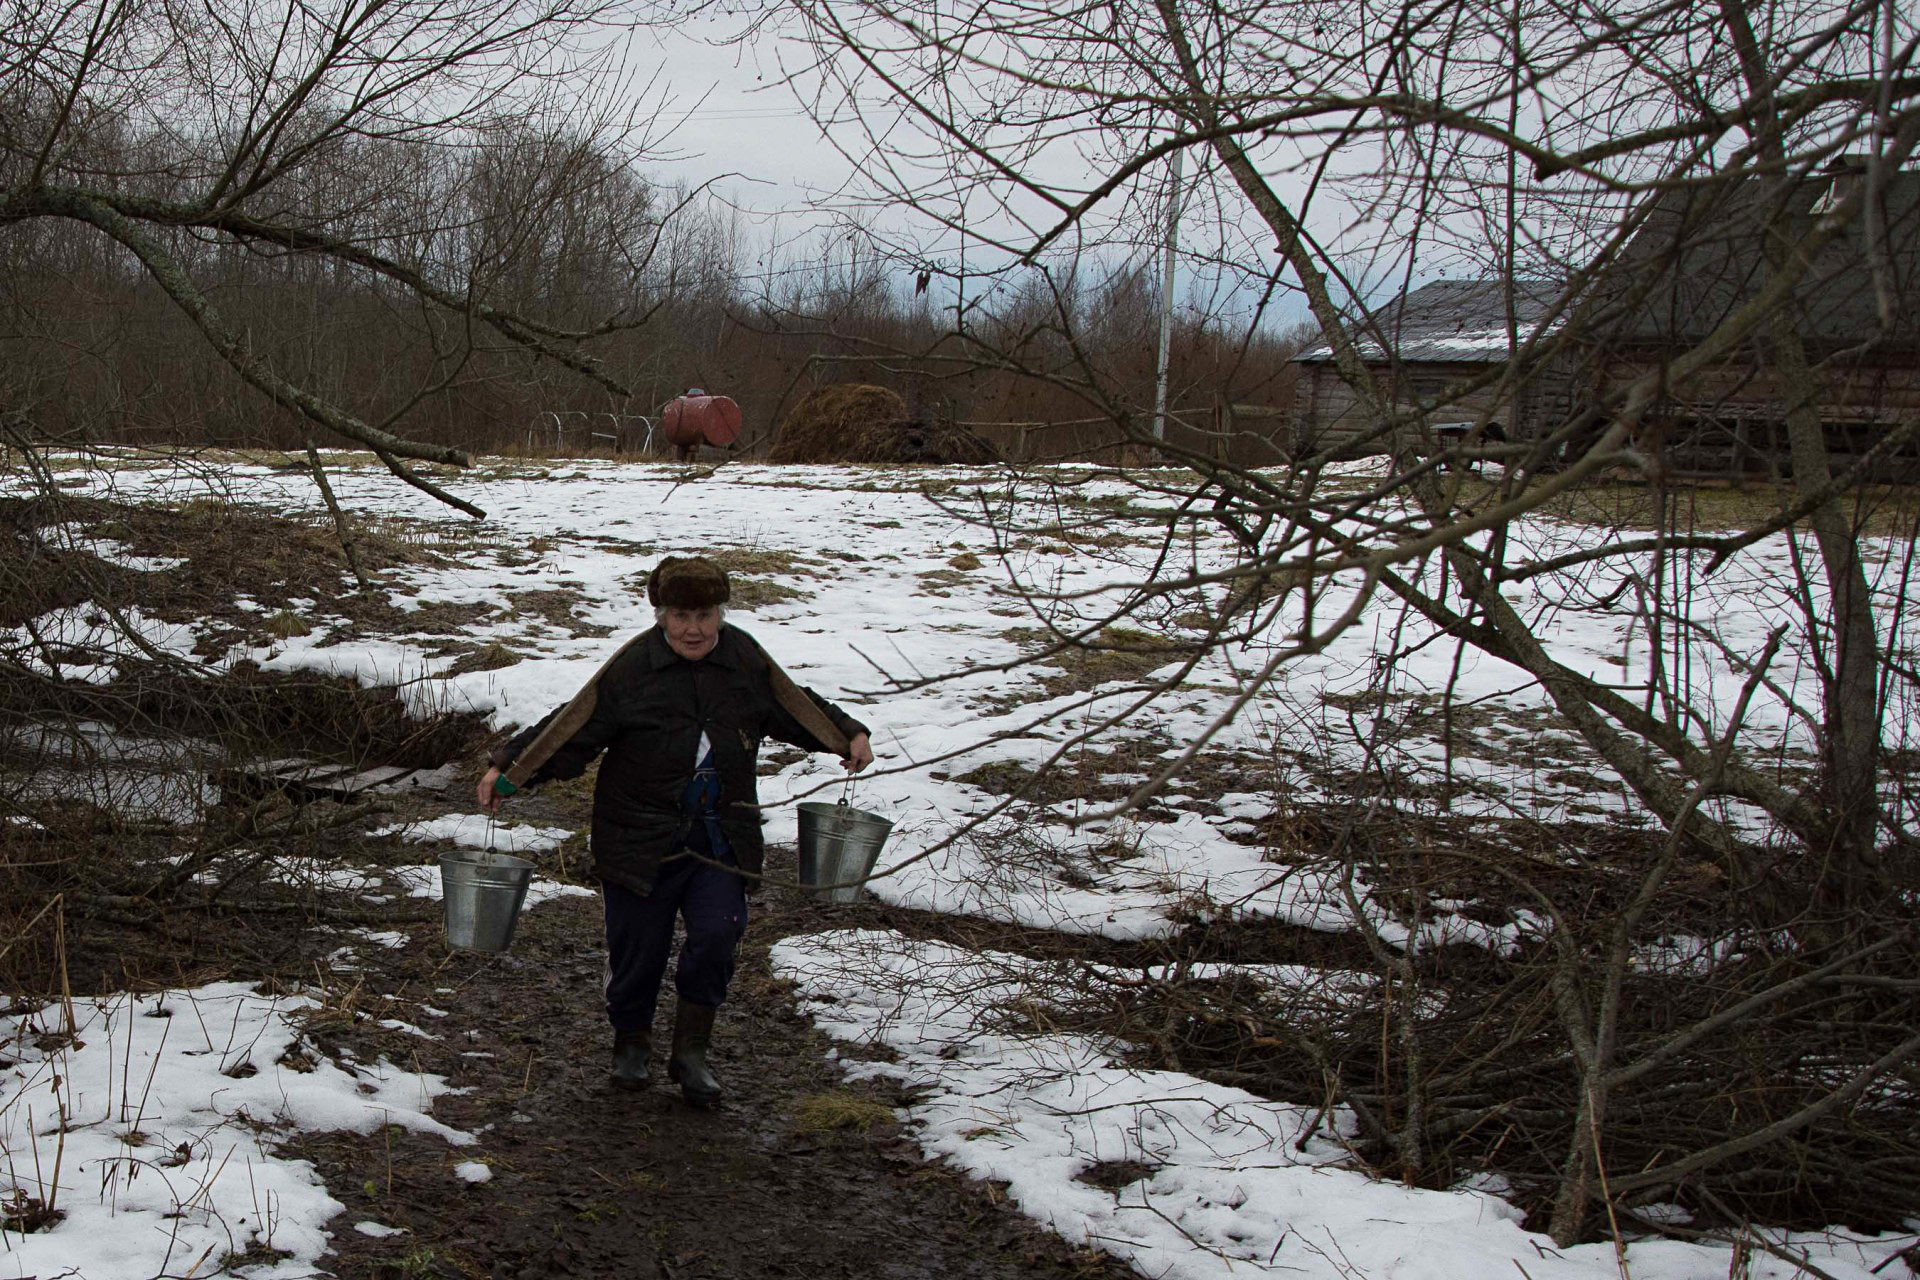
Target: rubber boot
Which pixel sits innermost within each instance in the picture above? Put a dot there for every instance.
(632, 1060)
(692, 1031)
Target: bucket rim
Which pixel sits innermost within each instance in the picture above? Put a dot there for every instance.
(819, 808)
(485, 858)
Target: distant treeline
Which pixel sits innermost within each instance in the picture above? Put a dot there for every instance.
(670, 289)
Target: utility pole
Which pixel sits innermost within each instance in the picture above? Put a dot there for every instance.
(960, 303)
(1166, 302)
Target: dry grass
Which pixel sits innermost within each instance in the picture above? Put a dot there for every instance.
(1082, 776)
(859, 422)
(286, 624)
(749, 572)
(1878, 510)
(555, 606)
(224, 554)
(748, 567)
(340, 1006)
(754, 560)
(940, 582)
(829, 1112)
(1102, 536)
(1115, 654)
(838, 424)
(489, 657)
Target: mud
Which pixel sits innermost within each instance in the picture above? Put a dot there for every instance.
(590, 1181)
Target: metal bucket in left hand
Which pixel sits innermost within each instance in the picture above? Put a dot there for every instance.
(839, 846)
(483, 892)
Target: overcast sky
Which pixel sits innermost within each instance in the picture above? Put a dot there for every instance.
(736, 117)
(738, 123)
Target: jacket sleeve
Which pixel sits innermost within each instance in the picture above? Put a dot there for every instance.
(782, 725)
(572, 759)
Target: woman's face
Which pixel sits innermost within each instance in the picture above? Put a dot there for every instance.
(692, 633)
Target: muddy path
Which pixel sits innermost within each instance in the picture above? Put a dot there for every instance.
(590, 1181)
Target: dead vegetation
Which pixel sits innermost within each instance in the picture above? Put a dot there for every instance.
(492, 656)
(1756, 1072)
(1116, 654)
(555, 606)
(841, 1110)
(1633, 1030)
(1113, 655)
(751, 573)
(1088, 776)
(1752, 1077)
(241, 573)
(857, 422)
(109, 742)
(752, 570)
(1880, 510)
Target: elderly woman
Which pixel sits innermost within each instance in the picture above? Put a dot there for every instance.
(680, 712)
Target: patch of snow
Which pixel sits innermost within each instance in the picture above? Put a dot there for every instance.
(395, 1024)
(160, 1179)
(1229, 1184)
(320, 873)
(1683, 954)
(470, 830)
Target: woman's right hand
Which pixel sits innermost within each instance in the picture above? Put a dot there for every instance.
(485, 793)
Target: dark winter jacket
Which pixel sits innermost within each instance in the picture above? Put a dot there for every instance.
(652, 706)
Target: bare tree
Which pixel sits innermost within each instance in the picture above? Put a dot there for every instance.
(1586, 163)
(444, 156)
(1375, 149)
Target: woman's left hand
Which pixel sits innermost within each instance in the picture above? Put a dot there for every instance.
(859, 753)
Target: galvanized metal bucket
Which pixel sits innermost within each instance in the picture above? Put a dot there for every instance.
(839, 846)
(483, 892)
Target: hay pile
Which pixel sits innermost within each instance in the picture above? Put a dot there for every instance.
(857, 422)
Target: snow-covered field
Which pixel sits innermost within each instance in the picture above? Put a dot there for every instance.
(884, 588)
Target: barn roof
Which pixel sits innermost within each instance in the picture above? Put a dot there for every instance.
(1698, 258)
(1700, 251)
(1450, 321)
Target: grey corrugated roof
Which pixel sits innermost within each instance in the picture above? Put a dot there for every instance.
(1700, 250)
(1697, 257)
(1450, 320)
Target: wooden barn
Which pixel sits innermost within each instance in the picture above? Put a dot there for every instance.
(1857, 312)
(1448, 334)
(1695, 260)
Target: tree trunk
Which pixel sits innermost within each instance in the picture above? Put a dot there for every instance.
(1850, 721)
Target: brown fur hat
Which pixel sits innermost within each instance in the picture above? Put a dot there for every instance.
(687, 582)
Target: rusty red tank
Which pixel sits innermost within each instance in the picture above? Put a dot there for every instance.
(696, 418)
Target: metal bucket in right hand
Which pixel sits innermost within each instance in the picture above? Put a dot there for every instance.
(483, 894)
(839, 846)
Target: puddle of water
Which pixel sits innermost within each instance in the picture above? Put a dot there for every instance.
(137, 777)
(147, 796)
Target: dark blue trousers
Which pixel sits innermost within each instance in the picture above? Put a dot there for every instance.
(713, 902)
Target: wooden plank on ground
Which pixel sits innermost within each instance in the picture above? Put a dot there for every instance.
(438, 780)
(294, 775)
(345, 786)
